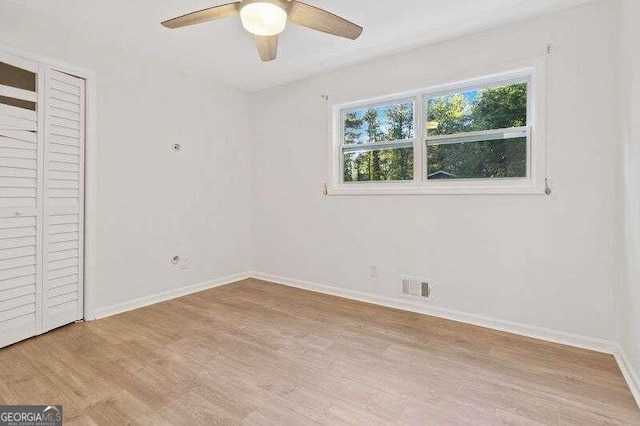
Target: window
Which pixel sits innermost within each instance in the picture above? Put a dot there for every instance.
(470, 137)
(377, 142)
(478, 134)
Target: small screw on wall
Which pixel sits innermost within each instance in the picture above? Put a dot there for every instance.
(175, 260)
(176, 147)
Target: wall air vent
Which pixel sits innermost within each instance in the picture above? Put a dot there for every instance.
(415, 288)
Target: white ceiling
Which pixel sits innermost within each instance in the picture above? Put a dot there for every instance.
(223, 50)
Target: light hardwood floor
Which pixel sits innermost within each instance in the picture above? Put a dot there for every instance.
(260, 353)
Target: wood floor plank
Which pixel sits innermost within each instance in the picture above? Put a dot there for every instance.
(260, 353)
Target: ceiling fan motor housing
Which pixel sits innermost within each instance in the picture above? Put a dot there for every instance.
(264, 18)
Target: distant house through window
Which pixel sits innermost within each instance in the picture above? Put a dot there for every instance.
(440, 174)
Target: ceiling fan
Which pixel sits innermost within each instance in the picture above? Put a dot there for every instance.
(266, 19)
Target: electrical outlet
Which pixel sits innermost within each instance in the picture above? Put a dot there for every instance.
(373, 270)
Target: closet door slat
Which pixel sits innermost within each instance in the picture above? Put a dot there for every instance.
(21, 135)
(15, 93)
(6, 142)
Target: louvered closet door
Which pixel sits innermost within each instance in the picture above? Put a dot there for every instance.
(20, 282)
(63, 199)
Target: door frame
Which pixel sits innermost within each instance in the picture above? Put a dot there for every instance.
(90, 168)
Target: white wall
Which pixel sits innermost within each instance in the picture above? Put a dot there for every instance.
(153, 203)
(548, 262)
(543, 261)
(630, 91)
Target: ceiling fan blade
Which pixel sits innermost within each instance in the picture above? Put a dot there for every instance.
(267, 47)
(321, 20)
(204, 15)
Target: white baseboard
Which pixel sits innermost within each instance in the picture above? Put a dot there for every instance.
(536, 332)
(167, 295)
(541, 333)
(629, 373)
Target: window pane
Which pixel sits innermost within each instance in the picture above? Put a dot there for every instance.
(497, 107)
(383, 165)
(500, 158)
(382, 123)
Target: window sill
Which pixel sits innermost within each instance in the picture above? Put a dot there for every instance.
(360, 190)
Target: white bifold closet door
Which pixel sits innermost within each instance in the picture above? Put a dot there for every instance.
(41, 199)
(20, 227)
(63, 196)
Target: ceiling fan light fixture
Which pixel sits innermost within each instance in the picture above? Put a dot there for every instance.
(263, 18)
(266, 19)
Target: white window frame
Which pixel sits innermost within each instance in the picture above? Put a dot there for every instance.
(532, 73)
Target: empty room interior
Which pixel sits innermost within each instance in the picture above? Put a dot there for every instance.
(283, 212)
